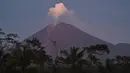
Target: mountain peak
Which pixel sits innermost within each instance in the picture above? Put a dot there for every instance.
(58, 24)
(51, 25)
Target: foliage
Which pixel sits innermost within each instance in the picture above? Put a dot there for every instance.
(29, 56)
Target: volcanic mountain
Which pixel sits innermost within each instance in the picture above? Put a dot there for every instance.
(64, 36)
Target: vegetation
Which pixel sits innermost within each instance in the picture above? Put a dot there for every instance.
(30, 57)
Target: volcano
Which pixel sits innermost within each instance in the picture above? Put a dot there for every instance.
(63, 36)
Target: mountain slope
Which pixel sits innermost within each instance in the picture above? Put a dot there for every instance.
(62, 35)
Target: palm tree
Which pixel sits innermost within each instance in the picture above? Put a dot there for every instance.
(73, 58)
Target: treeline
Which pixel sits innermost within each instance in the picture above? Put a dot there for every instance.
(30, 57)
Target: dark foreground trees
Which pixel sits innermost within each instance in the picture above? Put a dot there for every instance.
(80, 59)
(29, 57)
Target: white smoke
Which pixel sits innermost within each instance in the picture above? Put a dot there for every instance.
(58, 10)
(62, 14)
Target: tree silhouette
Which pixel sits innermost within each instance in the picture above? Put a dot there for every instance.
(73, 58)
(26, 57)
(7, 41)
(29, 56)
(96, 50)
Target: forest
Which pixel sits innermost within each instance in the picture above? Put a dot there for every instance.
(30, 57)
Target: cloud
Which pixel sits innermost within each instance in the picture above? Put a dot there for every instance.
(58, 10)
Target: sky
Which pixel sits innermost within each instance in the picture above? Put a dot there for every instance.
(108, 20)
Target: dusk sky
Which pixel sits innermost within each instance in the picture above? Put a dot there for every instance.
(108, 20)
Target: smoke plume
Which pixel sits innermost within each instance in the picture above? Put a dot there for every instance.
(60, 13)
(58, 10)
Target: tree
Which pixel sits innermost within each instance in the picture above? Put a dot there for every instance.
(21, 57)
(40, 55)
(123, 63)
(73, 58)
(93, 54)
(96, 50)
(7, 41)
